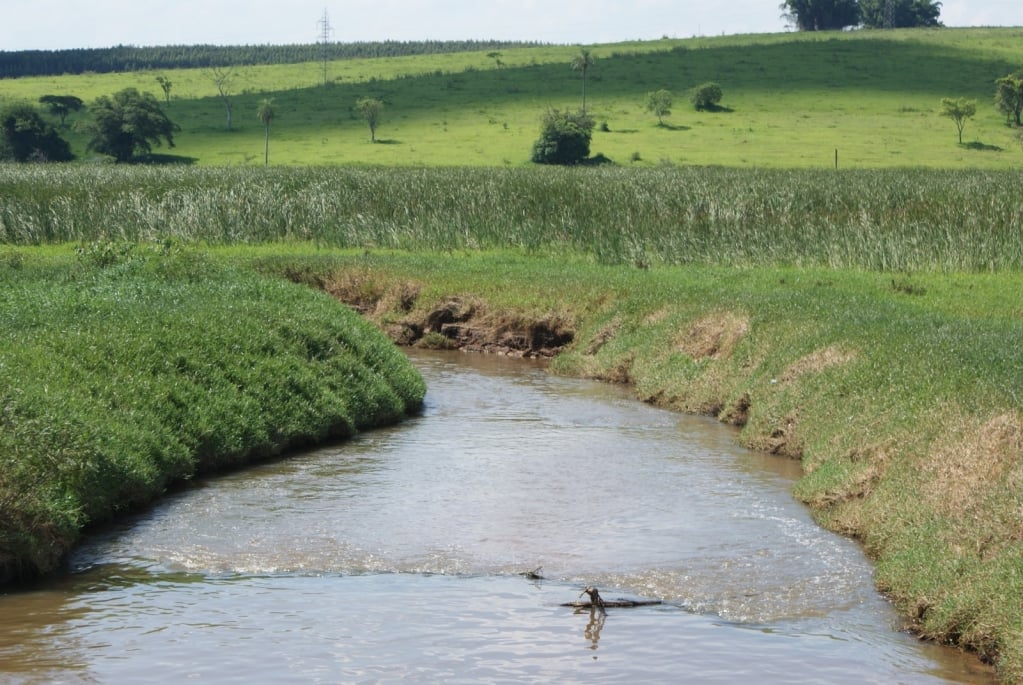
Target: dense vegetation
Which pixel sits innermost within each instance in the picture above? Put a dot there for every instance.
(895, 220)
(126, 58)
(127, 368)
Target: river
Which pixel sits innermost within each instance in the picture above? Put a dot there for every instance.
(398, 557)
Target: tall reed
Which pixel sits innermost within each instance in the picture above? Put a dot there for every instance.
(889, 220)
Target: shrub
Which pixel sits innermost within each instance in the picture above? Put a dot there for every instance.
(706, 96)
(564, 138)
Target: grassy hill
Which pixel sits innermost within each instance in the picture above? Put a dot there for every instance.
(790, 100)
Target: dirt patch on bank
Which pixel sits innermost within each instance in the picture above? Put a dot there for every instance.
(461, 322)
(715, 336)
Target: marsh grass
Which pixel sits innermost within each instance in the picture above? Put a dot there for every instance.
(128, 368)
(886, 220)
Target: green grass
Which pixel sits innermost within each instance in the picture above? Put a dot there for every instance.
(792, 100)
(127, 369)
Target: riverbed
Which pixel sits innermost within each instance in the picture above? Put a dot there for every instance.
(442, 549)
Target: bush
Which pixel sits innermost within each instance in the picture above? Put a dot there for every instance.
(25, 137)
(564, 138)
(706, 96)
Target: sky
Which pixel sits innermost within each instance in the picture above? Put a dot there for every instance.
(60, 24)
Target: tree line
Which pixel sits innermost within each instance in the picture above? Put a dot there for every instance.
(131, 58)
(823, 15)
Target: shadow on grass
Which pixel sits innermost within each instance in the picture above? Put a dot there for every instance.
(673, 127)
(716, 109)
(179, 160)
(387, 141)
(977, 145)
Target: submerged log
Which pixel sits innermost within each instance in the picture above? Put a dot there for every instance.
(598, 602)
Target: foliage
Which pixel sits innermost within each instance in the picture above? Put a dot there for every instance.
(266, 117)
(958, 110)
(564, 138)
(706, 96)
(110, 395)
(129, 123)
(127, 58)
(582, 63)
(659, 102)
(904, 13)
(62, 105)
(370, 109)
(24, 137)
(165, 86)
(1009, 96)
(822, 15)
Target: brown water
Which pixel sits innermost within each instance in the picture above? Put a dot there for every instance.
(395, 558)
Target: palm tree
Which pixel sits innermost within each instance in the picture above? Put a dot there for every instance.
(581, 63)
(266, 115)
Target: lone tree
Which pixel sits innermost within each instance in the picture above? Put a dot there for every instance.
(899, 14)
(266, 115)
(62, 105)
(129, 123)
(822, 15)
(165, 85)
(959, 111)
(25, 137)
(370, 109)
(223, 79)
(706, 96)
(1009, 96)
(659, 102)
(582, 63)
(564, 138)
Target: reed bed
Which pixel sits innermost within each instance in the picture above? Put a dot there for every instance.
(884, 220)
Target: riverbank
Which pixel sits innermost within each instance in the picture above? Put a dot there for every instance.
(127, 369)
(899, 393)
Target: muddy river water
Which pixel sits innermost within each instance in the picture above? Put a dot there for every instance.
(396, 557)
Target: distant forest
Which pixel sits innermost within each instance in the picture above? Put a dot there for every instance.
(131, 58)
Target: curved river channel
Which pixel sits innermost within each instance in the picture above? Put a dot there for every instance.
(396, 558)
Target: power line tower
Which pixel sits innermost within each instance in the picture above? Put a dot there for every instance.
(326, 31)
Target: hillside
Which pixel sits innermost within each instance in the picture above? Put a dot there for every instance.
(790, 100)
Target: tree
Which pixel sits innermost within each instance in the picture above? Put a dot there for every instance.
(129, 123)
(897, 14)
(706, 96)
(223, 78)
(370, 109)
(496, 56)
(62, 105)
(165, 85)
(25, 136)
(564, 138)
(821, 15)
(582, 63)
(266, 115)
(959, 111)
(659, 102)
(1009, 96)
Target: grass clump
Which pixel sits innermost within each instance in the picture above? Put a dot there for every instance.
(127, 369)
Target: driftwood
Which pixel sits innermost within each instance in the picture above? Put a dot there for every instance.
(598, 602)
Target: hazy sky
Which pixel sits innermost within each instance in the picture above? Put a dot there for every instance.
(55, 24)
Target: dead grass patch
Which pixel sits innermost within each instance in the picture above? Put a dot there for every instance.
(715, 336)
(959, 470)
(817, 361)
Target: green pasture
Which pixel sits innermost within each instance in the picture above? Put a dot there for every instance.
(790, 100)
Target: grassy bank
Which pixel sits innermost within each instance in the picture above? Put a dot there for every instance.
(127, 368)
(900, 394)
